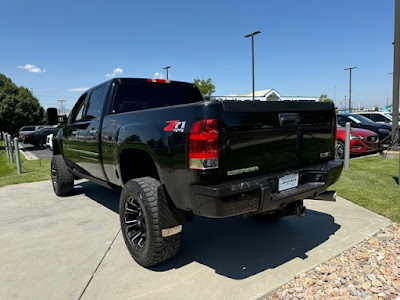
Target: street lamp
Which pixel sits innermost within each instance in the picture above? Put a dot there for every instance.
(351, 68)
(252, 53)
(166, 68)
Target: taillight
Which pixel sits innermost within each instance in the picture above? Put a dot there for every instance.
(203, 145)
(159, 80)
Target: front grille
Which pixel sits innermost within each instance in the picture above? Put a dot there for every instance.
(372, 138)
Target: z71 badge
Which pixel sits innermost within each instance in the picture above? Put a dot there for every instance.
(175, 126)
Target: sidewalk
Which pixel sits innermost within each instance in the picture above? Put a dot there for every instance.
(64, 248)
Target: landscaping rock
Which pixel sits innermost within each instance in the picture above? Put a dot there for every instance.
(369, 270)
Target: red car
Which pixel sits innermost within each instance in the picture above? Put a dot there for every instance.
(361, 141)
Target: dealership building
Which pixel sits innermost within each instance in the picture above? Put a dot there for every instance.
(265, 95)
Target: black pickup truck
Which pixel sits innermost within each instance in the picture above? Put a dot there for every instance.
(176, 155)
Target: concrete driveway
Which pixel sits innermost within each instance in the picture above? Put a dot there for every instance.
(71, 248)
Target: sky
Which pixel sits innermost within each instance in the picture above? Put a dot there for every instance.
(60, 48)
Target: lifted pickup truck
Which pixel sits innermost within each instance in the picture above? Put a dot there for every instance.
(176, 155)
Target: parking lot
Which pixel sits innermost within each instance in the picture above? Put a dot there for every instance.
(72, 248)
(31, 152)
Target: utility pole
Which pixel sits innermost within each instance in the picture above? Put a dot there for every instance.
(166, 68)
(61, 106)
(351, 68)
(396, 71)
(334, 93)
(252, 53)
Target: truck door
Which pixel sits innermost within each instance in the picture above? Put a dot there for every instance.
(89, 132)
(71, 133)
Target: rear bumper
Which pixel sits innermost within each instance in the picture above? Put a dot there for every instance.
(259, 194)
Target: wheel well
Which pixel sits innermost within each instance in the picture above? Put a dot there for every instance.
(56, 148)
(136, 164)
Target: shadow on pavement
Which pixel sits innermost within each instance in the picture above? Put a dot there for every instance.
(236, 247)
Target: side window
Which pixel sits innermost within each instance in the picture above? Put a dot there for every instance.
(96, 102)
(77, 111)
(341, 120)
(378, 118)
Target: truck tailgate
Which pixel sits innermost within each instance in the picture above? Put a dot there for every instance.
(265, 137)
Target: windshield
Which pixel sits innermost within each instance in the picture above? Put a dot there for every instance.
(359, 119)
(28, 128)
(388, 115)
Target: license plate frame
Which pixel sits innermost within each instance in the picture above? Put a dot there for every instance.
(288, 181)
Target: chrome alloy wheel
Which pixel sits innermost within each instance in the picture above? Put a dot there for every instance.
(135, 223)
(54, 175)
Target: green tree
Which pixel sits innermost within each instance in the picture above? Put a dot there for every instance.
(325, 98)
(18, 107)
(206, 87)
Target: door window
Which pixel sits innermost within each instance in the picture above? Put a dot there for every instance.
(95, 104)
(77, 111)
(377, 118)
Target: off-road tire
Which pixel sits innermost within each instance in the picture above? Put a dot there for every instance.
(61, 178)
(146, 192)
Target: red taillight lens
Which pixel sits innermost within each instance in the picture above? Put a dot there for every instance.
(203, 145)
(159, 80)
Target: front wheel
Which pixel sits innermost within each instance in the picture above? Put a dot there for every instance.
(140, 214)
(340, 150)
(61, 178)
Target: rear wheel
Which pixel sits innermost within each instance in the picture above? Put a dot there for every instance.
(61, 178)
(340, 150)
(140, 220)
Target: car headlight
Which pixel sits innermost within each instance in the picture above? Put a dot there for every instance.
(356, 137)
(385, 131)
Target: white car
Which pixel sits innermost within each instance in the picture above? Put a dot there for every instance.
(377, 116)
(49, 141)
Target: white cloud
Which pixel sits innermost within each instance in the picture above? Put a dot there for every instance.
(32, 68)
(158, 75)
(81, 89)
(115, 72)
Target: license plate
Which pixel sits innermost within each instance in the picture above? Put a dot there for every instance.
(288, 182)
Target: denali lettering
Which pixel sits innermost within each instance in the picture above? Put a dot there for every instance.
(241, 171)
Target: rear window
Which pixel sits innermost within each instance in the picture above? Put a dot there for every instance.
(133, 97)
(28, 128)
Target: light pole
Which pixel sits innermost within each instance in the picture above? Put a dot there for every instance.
(345, 102)
(351, 68)
(166, 68)
(252, 53)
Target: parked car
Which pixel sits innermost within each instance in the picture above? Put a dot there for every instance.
(377, 116)
(30, 129)
(176, 155)
(38, 137)
(49, 142)
(357, 121)
(361, 141)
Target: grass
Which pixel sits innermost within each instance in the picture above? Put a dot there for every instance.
(371, 182)
(32, 170)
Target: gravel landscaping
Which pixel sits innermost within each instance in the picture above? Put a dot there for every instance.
(369, 270)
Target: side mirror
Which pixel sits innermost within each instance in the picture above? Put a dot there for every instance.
(52, 116)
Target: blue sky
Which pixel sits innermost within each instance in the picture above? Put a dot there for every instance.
(56, 47)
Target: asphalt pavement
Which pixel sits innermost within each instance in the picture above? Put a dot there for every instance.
(32, 153)
(72, 248)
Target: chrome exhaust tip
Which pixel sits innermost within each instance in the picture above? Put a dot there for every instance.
(326, 196)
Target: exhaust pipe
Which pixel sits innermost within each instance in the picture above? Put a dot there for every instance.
(326, 196)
